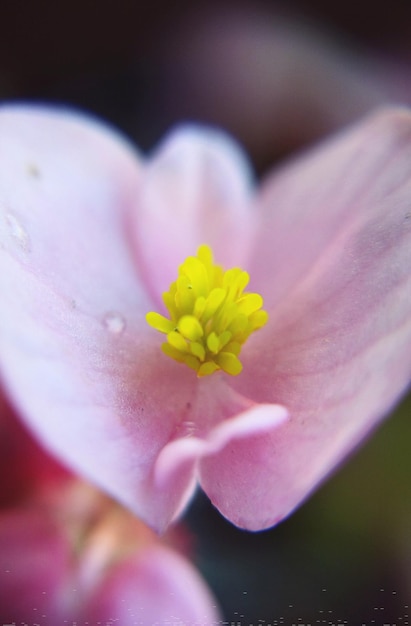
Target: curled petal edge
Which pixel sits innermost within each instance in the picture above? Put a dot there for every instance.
(190, 449)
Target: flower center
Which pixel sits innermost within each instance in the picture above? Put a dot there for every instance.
(211, 315)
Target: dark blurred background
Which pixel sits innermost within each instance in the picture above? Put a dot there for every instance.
(278, 76)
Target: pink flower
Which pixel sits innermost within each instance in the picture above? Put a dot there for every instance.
(47, 579)
(92, 234)
(276, 82)
(67, 553)
(85, 560)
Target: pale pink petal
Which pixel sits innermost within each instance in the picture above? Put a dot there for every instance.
(156, 586)
(308, 209)
(260, 418)
(334, 262)
(196, 189)
(76, 353)
(217, 416)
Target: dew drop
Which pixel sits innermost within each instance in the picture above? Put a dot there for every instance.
(18, 233)
(114, 322)
(187, 429)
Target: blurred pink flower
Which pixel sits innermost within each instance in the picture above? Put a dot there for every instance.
(68, 553)
(91, 235)
(276, 82)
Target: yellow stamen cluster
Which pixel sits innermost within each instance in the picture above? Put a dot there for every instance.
(211, 315)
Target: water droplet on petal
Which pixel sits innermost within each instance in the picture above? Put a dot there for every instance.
(187, 429)
(114, 322)
(18, 232)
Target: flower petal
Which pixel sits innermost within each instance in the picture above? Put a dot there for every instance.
(217, 417)
(195, 190)
(190, 449)
(157, 586)
(309, 208)
(75, 352)
(334, 254)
